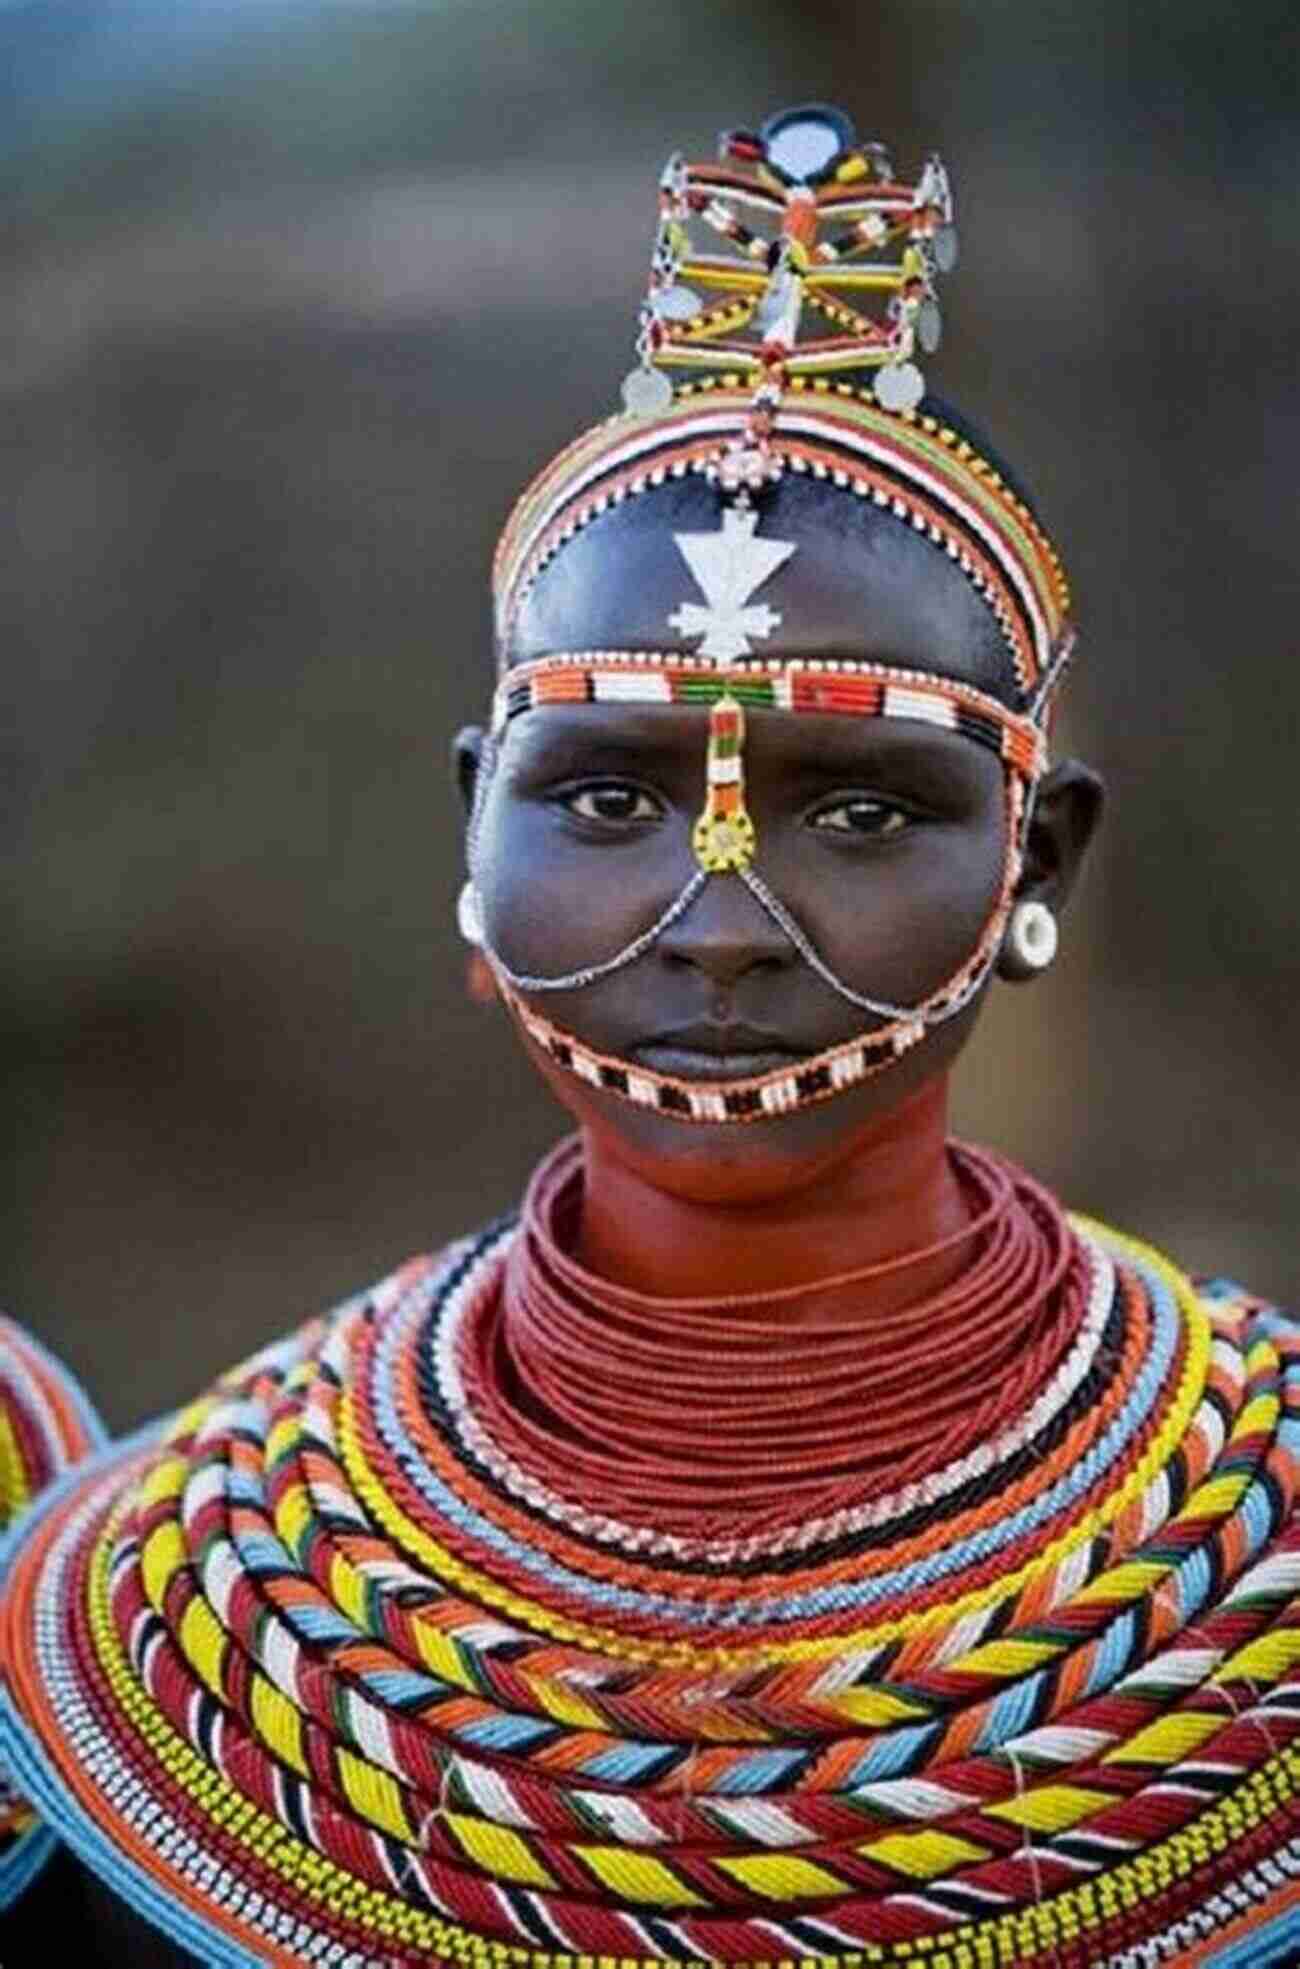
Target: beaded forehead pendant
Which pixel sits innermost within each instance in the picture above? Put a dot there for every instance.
(792, 287)
(728, 566)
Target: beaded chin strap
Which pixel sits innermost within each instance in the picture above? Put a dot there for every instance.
(743, 432)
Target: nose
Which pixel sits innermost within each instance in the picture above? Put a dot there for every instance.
(725, 934)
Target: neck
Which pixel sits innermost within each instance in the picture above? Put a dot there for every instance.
(894, 1193)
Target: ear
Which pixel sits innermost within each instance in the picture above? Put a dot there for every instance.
(466, 754)
(466, 758)
(1065, 818)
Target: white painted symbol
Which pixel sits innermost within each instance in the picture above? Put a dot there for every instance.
(729, 566)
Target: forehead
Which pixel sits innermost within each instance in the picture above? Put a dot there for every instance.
(780, 747)
(860, 583)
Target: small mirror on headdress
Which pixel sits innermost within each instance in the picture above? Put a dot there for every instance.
(802, 144)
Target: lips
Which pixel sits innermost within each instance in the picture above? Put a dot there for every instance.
(716, 1050)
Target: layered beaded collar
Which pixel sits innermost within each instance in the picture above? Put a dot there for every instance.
(329, 1672)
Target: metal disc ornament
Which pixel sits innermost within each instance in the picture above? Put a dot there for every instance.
(646, 392)
(804, 143)
(929, 325)
(899, 386)
(944, 248)
(677, 303)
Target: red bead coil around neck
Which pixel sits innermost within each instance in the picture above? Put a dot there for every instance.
(706, 1418)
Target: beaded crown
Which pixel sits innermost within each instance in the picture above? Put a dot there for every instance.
(772, 254)
(792, 285)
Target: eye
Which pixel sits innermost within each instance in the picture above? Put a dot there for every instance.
(860, 815)
(612, 802)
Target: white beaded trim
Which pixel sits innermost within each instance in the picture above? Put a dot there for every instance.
(517, 568)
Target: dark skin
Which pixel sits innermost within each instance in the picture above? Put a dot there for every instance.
(884, 838)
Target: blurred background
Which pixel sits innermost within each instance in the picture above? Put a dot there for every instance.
(297, 295)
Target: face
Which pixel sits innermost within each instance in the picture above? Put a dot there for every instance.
(885, 839)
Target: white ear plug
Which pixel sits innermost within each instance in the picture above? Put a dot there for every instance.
(1030, 942)
(469, 916)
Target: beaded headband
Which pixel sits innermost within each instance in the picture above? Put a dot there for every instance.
(799, 204)
(807, 213)
(912, 465)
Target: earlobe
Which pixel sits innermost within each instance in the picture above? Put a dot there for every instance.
(469, 915)
(466, 764)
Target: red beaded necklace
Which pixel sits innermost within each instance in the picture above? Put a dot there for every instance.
(705, 1417)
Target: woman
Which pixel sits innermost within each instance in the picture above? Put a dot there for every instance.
(793, 1538)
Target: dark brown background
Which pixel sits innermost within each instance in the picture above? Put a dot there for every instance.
(296, 297)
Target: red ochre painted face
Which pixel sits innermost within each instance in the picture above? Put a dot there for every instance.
(884, 838)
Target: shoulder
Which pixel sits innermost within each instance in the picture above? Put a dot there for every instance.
(133, 1567)
(1231, 1308)
(1235, 1304)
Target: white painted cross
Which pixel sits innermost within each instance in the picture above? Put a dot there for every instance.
(729, 566)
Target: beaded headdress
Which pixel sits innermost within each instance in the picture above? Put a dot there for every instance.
(814, 227)
(812, 224)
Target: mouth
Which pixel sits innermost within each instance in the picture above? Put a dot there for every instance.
(714, 1050)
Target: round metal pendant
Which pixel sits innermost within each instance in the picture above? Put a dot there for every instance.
(900, 386)
(929, 325)
(646, 392)
(944, 247)
(724, 845)
(677, 303)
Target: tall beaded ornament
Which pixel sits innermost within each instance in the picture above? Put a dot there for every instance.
(819, 203)
(812, 222)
